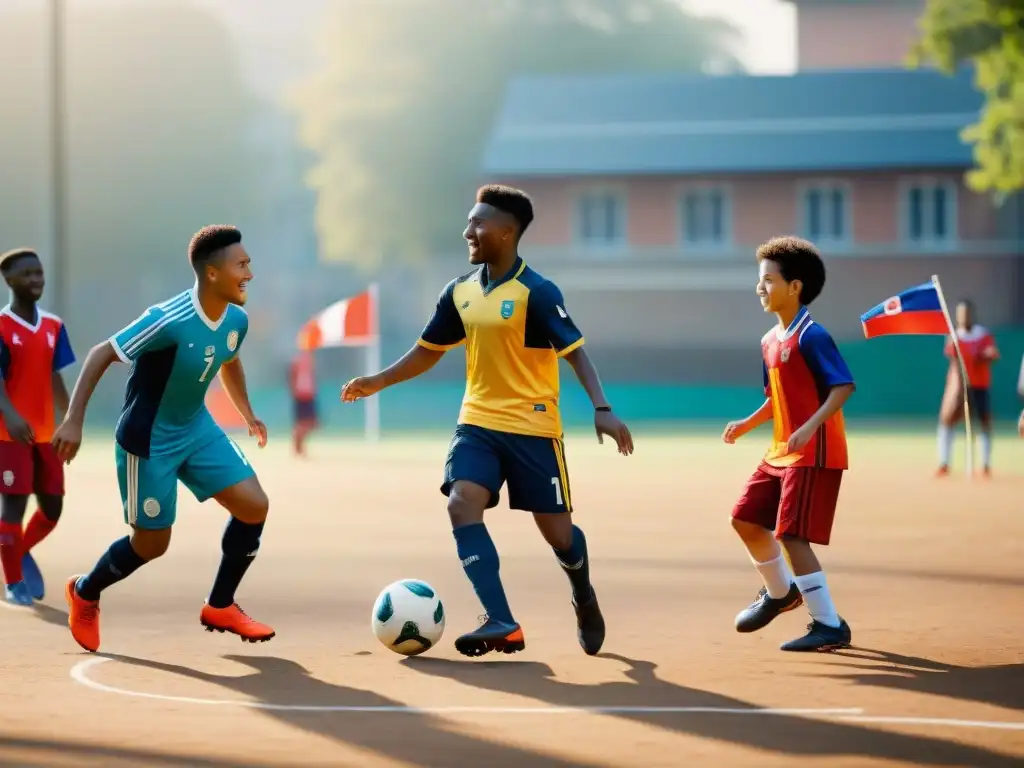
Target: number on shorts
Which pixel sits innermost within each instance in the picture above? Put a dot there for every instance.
(239, 452)
(558, 491)
(206, 370)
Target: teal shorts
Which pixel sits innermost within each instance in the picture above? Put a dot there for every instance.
(149, 487)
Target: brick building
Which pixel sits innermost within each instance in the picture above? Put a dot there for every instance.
(652, 192)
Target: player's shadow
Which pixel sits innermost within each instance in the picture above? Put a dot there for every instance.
(415, 738)
(25, 752)
(796, 736)
(51, 615)
(1001, 686)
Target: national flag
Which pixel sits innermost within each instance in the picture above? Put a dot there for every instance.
(350, 322)
(915, 311)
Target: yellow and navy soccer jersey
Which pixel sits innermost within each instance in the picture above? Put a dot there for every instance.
(514, 329)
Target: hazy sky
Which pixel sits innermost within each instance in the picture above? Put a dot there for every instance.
(769, 27)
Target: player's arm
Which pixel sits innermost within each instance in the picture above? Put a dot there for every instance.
(232, 377)
(63, 356)
(150, 331)
(734, 430)
(990, 351)
(547, 320)
(17, 427)
(831, 373)
(443, 331)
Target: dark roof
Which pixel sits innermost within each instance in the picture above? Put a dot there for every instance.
(673, 123)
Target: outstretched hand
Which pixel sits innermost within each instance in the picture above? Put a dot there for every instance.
(360, 387)
(258, 430)
(66, 441)
(607, 423)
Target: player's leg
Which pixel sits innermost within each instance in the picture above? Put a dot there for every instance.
(806, 513)
(16, 474)
(754, 519)
(950, 414)
(472, 480)
(981, 409)
(305, 422)
(149, 495)
(48, 482)
(538, 481)
(219, 470)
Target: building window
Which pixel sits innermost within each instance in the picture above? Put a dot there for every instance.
(826, 214)
(705, 216)
(930, 212)
(601, 219)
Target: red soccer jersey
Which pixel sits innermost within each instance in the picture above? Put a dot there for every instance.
(978, 346)
(302, 377)
(29, 356)
(801, 366)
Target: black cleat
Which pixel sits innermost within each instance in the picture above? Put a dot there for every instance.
(589, 624)
(491, 636)
(821, 637)
(762, 612)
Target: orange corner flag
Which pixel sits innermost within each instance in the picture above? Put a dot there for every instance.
(350, 322)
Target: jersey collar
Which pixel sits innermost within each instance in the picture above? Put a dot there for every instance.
(517, 269)
(22, 321)
(803, 318)
(213, 325)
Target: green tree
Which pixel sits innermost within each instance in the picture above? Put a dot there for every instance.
(990, 35)
(398, 116)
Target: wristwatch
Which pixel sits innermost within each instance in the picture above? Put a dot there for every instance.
(606, 408)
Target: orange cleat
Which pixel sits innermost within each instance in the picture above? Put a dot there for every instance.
(234, 620)
(942, 471)
(83, 617)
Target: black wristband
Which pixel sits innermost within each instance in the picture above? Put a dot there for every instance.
(605, 408)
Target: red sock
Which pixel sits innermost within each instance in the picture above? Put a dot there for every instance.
(10, 551)
(38, 528)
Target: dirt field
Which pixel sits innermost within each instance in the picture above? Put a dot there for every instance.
(928, 573)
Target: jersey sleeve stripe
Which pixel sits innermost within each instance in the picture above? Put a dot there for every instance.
(118, 351)
(436, 347)
(571, 348)
(135, 344)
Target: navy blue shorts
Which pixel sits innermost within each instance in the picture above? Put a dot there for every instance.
(533, 467)
(304, 410)
(981, 404)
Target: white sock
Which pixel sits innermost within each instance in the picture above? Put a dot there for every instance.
(819, 602)
(945, 445)
(986, 449)
(778, 579)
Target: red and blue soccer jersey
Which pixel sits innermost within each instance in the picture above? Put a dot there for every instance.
(977, 345)
(801, 366)
(29, 356)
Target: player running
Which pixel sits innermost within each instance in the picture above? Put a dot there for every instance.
(793, 493)
(34, 349)
(515, 328)
(978, 347)
(166, 434)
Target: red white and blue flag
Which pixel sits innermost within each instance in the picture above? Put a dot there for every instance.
(916, 311)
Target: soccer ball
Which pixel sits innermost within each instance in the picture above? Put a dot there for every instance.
(408, 617)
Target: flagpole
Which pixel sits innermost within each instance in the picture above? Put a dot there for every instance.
(963, 375)
(373, 357)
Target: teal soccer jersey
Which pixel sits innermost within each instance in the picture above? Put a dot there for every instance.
(165, 432)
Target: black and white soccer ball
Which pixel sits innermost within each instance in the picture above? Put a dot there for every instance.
(408, 617)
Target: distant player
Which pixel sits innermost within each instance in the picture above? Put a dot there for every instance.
(34, 349)
(302, 385)
(515, 328)
(166, 434)
(792, 496)
(1020, 391)
(978, 347)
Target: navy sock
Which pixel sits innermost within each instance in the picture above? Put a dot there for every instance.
(239, 546)
(576, 564)
(480, 562)
(119, 562)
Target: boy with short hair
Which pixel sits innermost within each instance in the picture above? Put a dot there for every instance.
(792, 495)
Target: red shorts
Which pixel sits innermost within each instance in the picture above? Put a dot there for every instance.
(26, 469)
(791, 501)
